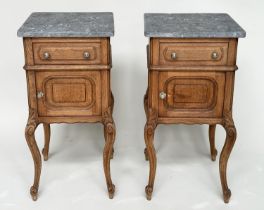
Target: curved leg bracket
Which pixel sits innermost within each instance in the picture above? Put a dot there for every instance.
(150, 152)
(45, 150)
(30, 137)
(212, 142)
(109, 132)
(230, 129)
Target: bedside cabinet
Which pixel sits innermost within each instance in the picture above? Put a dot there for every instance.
(68, 62)
(191, 72)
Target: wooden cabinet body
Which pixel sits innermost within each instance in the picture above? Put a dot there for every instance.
(68, 82)
(194, 83)
(191, 81)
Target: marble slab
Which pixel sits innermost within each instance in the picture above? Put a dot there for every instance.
(192, 25)
(49, 24)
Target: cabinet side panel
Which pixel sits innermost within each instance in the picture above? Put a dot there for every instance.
(105, 43)
(154, 49)
(230, 76)
(229, 91)
(28, 51)
(153, 90)
(105, 76)
(31, 89)
(232, 52)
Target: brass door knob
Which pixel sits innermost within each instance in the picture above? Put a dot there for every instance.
(162, 95)
(40, 94)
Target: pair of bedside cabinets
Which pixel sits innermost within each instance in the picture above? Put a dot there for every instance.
(191, 71)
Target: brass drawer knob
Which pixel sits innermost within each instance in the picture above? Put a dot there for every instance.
(46, 55)
(40, 94)
(162, 95)
(173, 55)
(86, 55)
(214, 55)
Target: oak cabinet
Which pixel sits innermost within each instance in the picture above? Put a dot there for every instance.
(68, 63)
(191, 72)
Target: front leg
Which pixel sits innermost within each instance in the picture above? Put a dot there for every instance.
(31, 141)
(145, 102)
(149, 130)
(45, 150)
(229, 126)
(110, 132)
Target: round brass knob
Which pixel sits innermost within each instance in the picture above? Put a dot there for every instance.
(86, 55)
(173, 55)
(46, 55)
(214, 55)
(40, 94)
(162, 95)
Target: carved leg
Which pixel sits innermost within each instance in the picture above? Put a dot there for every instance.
(212, 142)
(112, 108)
(30, 137)
(145, 101)
(150, 126)
(45, 150)
(229, 126)
(109, 131)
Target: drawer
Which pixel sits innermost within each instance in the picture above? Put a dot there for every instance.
(192, 53)
(191, 94)
(68, 52)
(76, 94)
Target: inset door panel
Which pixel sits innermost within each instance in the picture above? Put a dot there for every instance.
(78, 93)
(191, 94)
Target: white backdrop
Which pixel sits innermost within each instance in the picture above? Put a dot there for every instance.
(186, 178)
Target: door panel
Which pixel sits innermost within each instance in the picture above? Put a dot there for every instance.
(78, 93)
(191, 94)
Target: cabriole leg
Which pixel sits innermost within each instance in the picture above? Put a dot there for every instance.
(230, 129)
(110, 132)
(31, 141)
(149, 130)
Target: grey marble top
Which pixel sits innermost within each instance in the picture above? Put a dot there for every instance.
(46, 24)
(192, 25)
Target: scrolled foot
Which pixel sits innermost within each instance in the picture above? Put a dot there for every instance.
(34, 193)
(111, 191)
(146, 154)
(227, 195)
(148, 191)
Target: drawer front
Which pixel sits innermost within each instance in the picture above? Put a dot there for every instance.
(67, 52)
(191, 94)
(184, 54)
(77, 94)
